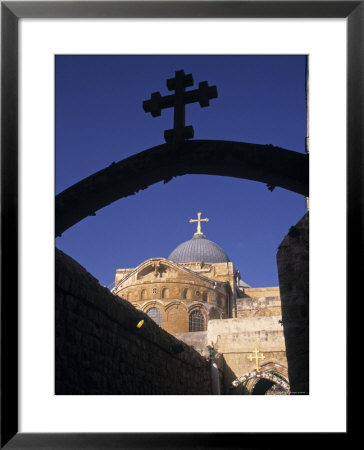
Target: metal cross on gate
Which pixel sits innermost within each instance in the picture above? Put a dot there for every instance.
(178, 100)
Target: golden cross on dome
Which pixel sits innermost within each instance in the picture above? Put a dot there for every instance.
(256, 357)
(198, 220)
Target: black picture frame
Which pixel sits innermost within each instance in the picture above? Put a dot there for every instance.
(11, 12)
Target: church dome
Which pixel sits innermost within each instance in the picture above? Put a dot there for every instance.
(198, 249)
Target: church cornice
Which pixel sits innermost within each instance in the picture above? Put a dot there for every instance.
(173, 265)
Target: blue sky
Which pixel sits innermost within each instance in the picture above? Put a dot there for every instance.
(100, 119)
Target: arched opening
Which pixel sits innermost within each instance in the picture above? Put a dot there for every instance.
(196, 321)
(268, 387)
(156, 315)
(165, 293)
(186, 294)
(262, 386)
(261, 383)
(144, 294)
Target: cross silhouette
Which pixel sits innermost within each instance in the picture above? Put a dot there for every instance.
(256, 357)
(179, 100)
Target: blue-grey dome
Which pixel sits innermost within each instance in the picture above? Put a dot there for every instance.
(198, 249)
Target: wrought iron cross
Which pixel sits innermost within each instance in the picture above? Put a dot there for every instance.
(179, 100)
(256, 357)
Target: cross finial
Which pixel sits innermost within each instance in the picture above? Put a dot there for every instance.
(256, 357)
(178, 101)
(199, 220)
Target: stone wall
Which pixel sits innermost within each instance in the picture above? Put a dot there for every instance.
(197, 340)
(236, 339)
(259, 302)
(100, 350)
(293, 271)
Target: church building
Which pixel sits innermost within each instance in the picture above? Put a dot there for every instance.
(195, 284)
(197, 295)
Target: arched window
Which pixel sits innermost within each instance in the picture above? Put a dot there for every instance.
(156, 315)
(144, 294)
(197, 321)
(204, 297)
(165, 293)
(186, 293)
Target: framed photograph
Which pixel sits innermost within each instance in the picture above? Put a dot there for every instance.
(91, 43)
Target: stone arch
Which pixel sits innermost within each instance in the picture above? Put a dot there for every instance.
(152, 303)
(274, 367)
(175, 303)
(198, 305)
(143, 294)
(251, 379)
(187, 294)
(265, 163)
(165, 293)
(176, 317)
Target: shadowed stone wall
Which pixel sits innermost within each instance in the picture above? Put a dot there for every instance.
(100, 350)
(293, 271)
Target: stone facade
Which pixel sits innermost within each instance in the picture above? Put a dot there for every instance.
(259, 302)
(234, 340)
(173, 292)
(100, 350)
